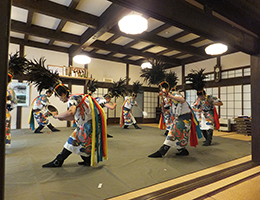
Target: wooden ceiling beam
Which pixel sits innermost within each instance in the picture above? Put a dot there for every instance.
(38, 45)
(114, 59)
(244, 13)
(21, 27)
(73, 4)
(58, 11)
(106, 21)
(120, 49)
(160, 41)
(190, 18)
(111, 39)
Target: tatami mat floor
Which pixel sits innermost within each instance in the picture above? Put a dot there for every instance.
(247, 189)
(25, 179)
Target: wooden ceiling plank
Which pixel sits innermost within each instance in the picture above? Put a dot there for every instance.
(148, 47)
(159, 29)
(195, 41)
(179, 35)
(131, 44)
(73, 4)
(111, 39)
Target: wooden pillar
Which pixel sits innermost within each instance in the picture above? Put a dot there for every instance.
(218, 64)
(127, 73)
(183, 79)
(5, 10)
(255, 107)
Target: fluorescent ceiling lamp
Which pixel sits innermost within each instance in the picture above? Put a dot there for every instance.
(146, 65)
(81, 59)
(216, 49)
(133, 24)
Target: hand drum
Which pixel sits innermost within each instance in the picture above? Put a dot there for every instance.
(51, 110)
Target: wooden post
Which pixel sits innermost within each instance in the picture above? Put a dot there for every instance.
(255, 107)
(5, 10)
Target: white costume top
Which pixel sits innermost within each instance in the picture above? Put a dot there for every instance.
(129, 102)
(83, 111)
(179, 108)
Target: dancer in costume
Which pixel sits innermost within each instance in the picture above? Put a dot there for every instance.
(11, 101)
(182, 120)
(127, 117)
(90, 134)
(17, 66)
(157, 75)
(204, 106)
(165, 120)
(40, 112)
(116, 90)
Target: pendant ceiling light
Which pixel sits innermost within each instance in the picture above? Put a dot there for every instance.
(133, 24)
(146, 65)
(81, 59)
(216, 49)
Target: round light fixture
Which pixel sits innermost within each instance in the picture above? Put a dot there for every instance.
(146, 65)
(216, 49)
(133, 24)
(81, 59)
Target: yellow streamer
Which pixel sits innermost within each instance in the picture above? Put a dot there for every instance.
(93, 142)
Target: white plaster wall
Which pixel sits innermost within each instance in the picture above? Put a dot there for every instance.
(13, 48)
(230, 61)
(52, 57)
(235, 60)
(134, 75)
(100, 69)
(208, 65)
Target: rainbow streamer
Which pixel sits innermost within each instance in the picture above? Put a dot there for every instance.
(216, 118)
(99, 141)
(162, 124)
(103, 135)
(31, 117)
(195, 131)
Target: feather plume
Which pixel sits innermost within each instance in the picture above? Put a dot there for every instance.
(92, 85)
(156, 74)
(137, 87)
(171, 78)
(118, 88)
(40, 76)
(17, 64)
(197, 79)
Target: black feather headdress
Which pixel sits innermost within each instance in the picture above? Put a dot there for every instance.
(41, 77)
(118, 88)
(156, 74)
(92, 86)
(137, 87)
(17, 64)
(172, 79)
(197, 79)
